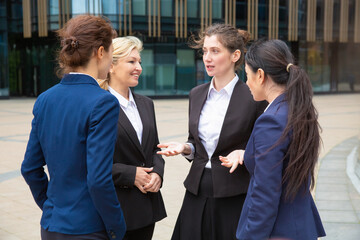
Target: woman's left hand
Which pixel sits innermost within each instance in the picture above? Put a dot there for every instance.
(154, 184)
(232, 160)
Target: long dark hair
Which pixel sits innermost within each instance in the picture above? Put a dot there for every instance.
(275, 58)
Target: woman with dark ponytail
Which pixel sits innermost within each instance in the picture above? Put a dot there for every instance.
(282, 151)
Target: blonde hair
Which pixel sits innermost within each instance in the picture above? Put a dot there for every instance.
(122, 48)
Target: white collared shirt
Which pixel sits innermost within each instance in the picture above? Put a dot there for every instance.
(131, 111)
(212, 117)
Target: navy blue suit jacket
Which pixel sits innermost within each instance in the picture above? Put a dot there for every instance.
(266, 214)
(73, 133)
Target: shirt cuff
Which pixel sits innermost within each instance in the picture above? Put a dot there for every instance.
(191, 155)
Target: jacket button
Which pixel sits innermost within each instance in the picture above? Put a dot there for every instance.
(143, 164)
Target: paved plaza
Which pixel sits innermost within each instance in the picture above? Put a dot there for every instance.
(336, 196)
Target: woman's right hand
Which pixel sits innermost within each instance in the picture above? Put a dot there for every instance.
(173, 149)
(232, 160)
(142, 178)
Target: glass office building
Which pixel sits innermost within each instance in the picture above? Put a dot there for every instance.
(324, 35)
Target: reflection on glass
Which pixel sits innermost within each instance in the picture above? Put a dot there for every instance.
(139, 7)
(192, 8)
(110, 7)
(185, 70)
(86, 6)
(165, 73)
(217, 8)
(146, 84)
(166, 8)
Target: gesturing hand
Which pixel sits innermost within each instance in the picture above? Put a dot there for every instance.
(142, 178)
(154, 184)
(232, 160)
(171, 148)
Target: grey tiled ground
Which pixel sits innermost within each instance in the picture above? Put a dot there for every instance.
(338, 202)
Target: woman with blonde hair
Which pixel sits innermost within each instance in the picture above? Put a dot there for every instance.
(137, 169)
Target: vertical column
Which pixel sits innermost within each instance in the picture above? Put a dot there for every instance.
(185, 19)
(234, 13)
(252, 19)
(311, 21)
(176, 18)
(293, 21)
(344, 21)
(273, 19)
(149, 17)
(328, 21)
(42, 18)
(154, 18)
(357, 22)
(130, 18)
(26, 18)
(181, 19)
(125, 19)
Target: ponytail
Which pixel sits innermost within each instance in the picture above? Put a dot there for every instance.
(275, 58)
(304, 128)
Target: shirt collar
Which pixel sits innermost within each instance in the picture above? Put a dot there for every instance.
(123, 101)
(278, 98)
(229, 88)
(83, 74)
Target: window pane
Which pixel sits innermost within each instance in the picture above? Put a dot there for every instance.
(185, 71)
(166, 8)
(217, 8)
(139, 7)
(110, 6)
(79, 6)
(192, 8)
(146, 84)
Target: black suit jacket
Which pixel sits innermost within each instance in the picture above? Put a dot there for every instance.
(236, 130)
(139, 209)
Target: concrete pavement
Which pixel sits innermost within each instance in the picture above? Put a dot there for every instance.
(337, 199)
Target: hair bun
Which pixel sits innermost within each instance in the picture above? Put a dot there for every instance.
(245, 35)
(70, 43)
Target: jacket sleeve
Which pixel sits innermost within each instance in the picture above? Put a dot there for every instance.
(158, 161)
(264, 197)
(100, 149)
(32, 167)
(123, 175)
(190, 140)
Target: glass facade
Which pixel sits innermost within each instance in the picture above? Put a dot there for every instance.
(170, 67)
(4, 66)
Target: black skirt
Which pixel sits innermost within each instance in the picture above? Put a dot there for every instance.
(203, 217)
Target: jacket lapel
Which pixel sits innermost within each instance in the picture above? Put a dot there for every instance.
(202, 96)
(129, 129)
(144, 115)
(235, 100)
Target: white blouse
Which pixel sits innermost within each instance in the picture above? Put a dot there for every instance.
(131, 111)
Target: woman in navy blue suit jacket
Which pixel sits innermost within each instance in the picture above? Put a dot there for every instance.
(73, 135)
(282, 151)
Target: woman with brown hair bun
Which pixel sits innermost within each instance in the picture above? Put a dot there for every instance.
(221, 116)
(73, 135)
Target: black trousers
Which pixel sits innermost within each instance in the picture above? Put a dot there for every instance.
(46, 235)
(203, 217)
(144, 233)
